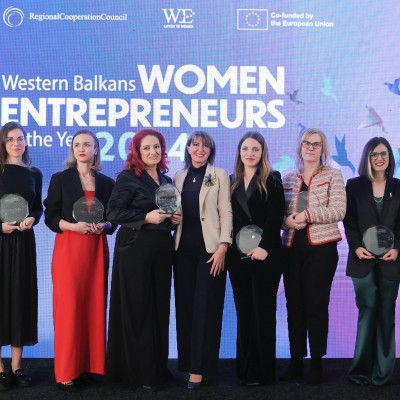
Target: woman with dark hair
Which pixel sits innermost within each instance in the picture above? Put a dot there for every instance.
(201, 242)
(18, 278)
(137, 352)
(257, 199)
(80, 264)
(311, 237)
(374, 199)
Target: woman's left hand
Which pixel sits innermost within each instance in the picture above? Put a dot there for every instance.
(176, 219)
(218, 260)
(27, 223)
(97, 229)
(258, 254)
(391, 255)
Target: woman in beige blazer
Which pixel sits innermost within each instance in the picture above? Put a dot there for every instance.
(201, 242)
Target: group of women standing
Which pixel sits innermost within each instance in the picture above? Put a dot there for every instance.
(307, 205)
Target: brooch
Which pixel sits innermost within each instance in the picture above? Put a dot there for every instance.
(208, 180)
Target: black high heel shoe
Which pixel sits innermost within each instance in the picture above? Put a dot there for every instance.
(194, 385)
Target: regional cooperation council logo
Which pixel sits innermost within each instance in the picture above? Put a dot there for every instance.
(13, 17)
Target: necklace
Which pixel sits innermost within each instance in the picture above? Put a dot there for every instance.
(378, 199)
(194, 176)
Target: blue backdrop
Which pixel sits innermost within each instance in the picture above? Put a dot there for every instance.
(222, 66)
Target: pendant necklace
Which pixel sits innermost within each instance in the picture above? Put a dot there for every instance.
(194, 177)
(378, 199)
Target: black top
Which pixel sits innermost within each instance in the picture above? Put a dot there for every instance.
(301, 236)
(361, 214)
(250, 207)
(65, 189)
(192, 233)
(25, 181)
(132, 198)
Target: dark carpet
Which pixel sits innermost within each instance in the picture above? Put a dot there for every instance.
(335, 386)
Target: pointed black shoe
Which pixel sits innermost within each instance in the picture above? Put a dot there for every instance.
(294, 371)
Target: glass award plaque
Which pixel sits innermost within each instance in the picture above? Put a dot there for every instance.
(88, 210)
(168, 198)
(13, 207)
(248, 238)
(378, 240)
(299, 203)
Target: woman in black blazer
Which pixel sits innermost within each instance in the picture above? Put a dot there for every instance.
(137, 351)
(374, 199)
(80, 263)
(257, 199)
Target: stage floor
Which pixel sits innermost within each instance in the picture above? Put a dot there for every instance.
(335, 387)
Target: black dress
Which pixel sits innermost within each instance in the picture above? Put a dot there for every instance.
(18, 279)
(255, 283)
(137, 350)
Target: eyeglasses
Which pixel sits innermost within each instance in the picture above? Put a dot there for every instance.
(17, 140)
(375, 155)
(314, 145)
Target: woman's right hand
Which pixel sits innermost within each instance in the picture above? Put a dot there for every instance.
(83, 228)
(156, 217)
(363, 254)
(9, 227)
(293, 223)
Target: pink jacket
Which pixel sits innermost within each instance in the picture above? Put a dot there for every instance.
(326, 205)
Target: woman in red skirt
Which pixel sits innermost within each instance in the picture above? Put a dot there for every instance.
(80, 263)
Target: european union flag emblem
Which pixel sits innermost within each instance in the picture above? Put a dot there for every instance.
(251, 19)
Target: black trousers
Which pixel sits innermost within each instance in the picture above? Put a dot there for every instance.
(138, 338)
(308, 282)
(255, 286)
(199, 301)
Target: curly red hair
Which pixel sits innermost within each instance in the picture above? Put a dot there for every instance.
(133, 160)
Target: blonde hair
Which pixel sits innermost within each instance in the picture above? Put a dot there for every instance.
(71, 162)
(325, 155)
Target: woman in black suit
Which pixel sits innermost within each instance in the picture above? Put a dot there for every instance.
(137, 352)
(257, 199)
(374, 199)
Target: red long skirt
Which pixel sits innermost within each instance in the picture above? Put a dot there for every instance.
(79, 270)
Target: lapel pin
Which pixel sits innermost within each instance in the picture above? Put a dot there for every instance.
(390, 194)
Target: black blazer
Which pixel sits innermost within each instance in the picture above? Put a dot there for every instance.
(133, 197)
(361, 214)
(65, 188)
(251, 208)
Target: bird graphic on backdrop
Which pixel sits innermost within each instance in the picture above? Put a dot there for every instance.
(327, 88)
(285, 163)
(373, 119)
(394, 87)
(341, 157)
(293, 97)
(302, 128)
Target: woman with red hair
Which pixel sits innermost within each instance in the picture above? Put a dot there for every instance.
(137, 351)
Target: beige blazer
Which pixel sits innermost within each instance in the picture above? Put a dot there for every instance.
(215, 208)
